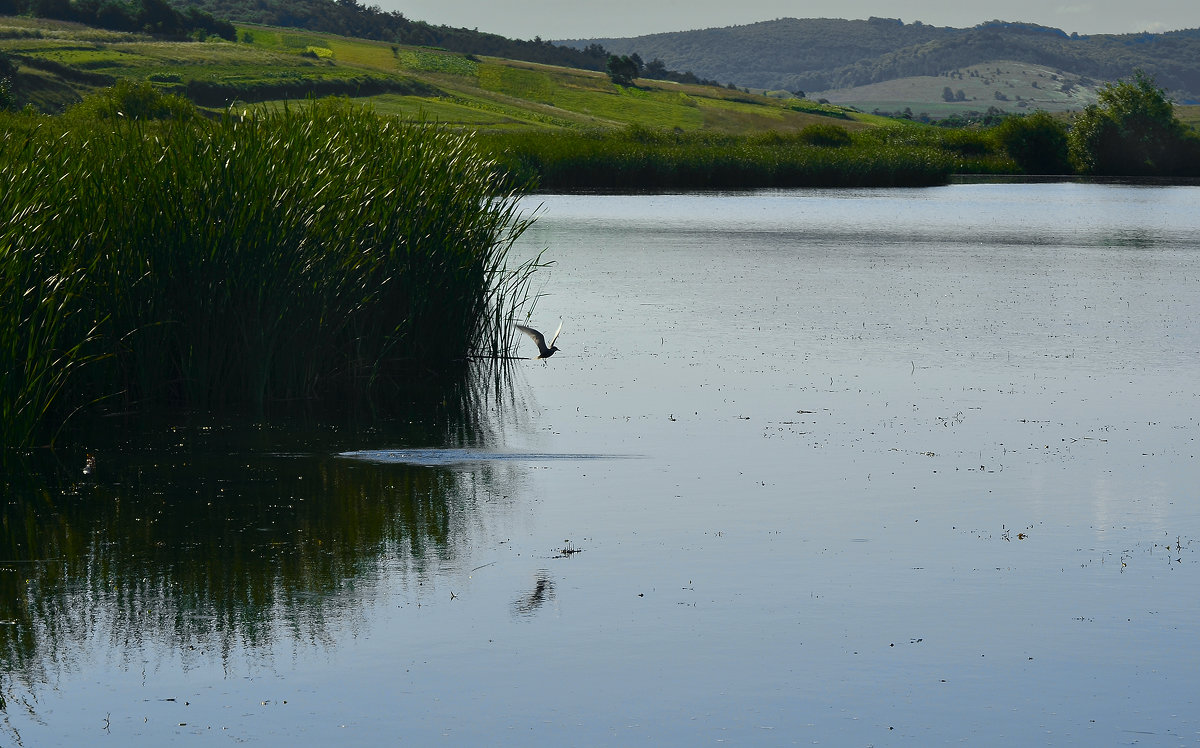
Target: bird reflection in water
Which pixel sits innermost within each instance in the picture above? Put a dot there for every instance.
(543, 590)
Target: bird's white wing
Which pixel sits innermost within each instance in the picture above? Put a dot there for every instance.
(554, 339)
(537, 336)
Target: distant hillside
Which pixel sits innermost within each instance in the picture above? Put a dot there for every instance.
(989, 88)
(821, 54)
(52, 65)
(788, 53)
(349, 18)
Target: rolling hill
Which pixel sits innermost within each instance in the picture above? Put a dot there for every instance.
(820, 56)
(58, 62)
(1005, 85)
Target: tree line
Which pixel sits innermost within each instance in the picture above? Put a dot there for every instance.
(1132, 130)
(351, 18)
(155, 17)
(623, 69)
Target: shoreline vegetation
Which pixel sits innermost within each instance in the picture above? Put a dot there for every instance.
(1132, 132)
(639, 159)
(152, 259)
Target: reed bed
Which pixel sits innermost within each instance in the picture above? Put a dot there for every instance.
(817, 156)
(312, 253)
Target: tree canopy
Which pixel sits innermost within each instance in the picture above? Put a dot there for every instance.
(1037, 142)
(622, 70)
(1132, 131)
(156, 17)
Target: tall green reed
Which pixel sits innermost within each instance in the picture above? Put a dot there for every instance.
(47, 330)
(817, 156)
(321, 251)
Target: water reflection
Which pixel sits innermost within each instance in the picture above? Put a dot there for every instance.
(543, 591)
(911, 484)
(220, 539)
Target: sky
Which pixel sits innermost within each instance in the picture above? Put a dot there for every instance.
(568, 19)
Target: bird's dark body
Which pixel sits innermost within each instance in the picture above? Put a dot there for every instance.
(544, 351)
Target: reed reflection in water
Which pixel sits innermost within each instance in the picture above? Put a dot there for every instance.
(222, 542)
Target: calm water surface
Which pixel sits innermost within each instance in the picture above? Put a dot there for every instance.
(907, 467)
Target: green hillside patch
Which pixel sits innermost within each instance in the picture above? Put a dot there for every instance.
(633, 106)
(1189, 115)
(1006, 85)
(430, 61)
(517, 82)
(469, 114)
(736, 115)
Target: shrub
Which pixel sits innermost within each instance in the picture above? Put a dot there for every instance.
(826, 135)
(131, 100)
(1132, 130)
(1037, 143)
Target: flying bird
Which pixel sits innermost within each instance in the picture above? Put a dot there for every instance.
(544, 351)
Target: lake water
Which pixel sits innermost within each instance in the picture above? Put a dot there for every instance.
(888, 467)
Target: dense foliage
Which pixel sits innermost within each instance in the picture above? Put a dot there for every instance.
(1037, 143)
(148, 16)
(622, 70)
(324, 252)
(1133, 131)
(821, 54)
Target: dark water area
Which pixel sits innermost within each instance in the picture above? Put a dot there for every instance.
(890, 467)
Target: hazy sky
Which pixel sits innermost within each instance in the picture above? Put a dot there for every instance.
(567, 19)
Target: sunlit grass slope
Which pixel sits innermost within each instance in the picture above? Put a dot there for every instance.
(59, 62)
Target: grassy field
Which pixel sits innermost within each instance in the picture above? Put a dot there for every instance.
(61, 62)
(1007, 85)
(1189, 115)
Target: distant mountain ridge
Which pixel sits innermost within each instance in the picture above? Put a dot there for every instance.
(820, 54)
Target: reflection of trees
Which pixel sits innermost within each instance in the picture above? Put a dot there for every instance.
(213, 540)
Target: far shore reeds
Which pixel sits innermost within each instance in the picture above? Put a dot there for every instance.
(827, 155)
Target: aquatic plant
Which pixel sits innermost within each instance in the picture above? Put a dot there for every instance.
(320, 251)
(638, 158)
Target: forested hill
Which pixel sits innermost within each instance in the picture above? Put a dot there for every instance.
(820, 54)
(788, 53)
(349, 18)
